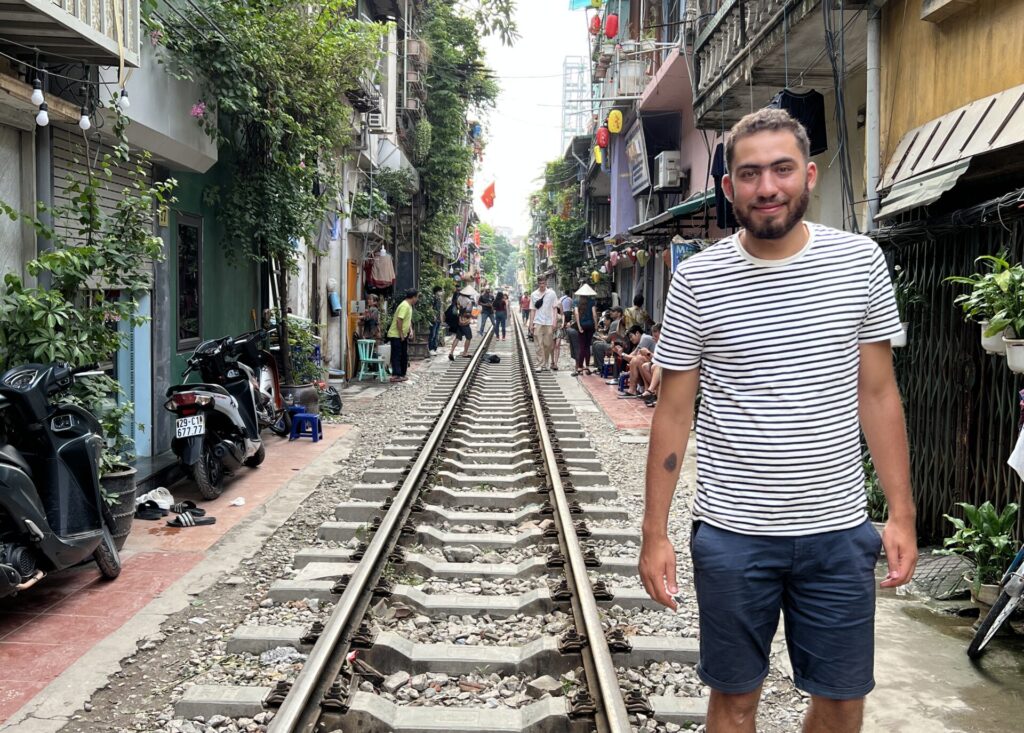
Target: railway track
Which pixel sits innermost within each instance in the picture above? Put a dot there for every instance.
(489, 505)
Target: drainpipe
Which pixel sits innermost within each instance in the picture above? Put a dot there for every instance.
(873, 112)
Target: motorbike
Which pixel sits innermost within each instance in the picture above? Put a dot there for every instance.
(217, 425)
(271, 410)
(52, 514)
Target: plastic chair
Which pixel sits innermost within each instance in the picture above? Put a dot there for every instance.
(306, 425)
(369, 363)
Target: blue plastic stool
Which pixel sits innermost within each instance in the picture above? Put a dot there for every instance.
(623, 381)
(607, 370)
(306, 424)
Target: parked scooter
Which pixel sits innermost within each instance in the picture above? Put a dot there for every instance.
(271, 410)
(52, 515)
(217, 428)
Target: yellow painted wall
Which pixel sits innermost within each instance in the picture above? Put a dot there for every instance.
(929, 69)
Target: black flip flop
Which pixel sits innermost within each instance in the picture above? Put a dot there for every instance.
(188, 507)
(189, 520)
(149, 510)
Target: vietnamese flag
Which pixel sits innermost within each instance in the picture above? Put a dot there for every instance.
(488, 197)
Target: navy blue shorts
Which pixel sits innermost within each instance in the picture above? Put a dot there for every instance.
(824, 585)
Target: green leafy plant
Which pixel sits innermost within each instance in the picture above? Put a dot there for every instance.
(988, 290)
(370, 205)
(302, 338)
(96, 276)
(985, 538)
(908, 296)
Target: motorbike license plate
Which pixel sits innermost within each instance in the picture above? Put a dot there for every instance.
(187, 427)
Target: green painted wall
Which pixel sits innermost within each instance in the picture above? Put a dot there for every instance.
(230, 291)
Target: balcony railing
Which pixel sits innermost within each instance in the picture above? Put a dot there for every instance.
(741, 34)
(99, 32)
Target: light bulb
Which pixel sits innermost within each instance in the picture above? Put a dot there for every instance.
(37, 92)
(122, 101)
(43, 118)
(84, 122)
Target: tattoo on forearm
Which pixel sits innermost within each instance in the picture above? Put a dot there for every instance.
(671, 462)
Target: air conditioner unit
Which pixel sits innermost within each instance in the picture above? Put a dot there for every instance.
(666, 170)
(376, 122)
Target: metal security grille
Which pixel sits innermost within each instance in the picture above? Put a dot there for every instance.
(961, 404)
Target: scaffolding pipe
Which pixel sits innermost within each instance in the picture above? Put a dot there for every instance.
(872, 113)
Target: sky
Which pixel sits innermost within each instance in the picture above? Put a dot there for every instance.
(524, 130)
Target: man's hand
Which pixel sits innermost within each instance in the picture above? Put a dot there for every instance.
(900, 541)
(658, 569)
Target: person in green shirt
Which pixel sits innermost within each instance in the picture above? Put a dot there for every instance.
(399, 335)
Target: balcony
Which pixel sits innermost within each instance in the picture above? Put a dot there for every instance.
(752, 49)
(100, 32)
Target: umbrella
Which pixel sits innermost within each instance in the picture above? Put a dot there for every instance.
(586, 290)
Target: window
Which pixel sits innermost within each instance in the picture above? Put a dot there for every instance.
(190, 291)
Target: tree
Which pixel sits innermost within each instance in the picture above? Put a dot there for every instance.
(498, 252)
(558, 210)
(273, 76)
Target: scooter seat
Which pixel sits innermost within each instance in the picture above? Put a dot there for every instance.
(10, 454)
(201, 387)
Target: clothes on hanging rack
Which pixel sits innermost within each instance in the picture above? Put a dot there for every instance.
(723, 207)
(809, 109)
(379, 273)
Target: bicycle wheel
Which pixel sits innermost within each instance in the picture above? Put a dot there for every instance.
(997, 615)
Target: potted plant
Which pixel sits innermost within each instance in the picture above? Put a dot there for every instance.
(1008, 320)
(307, 366)
(908, 297)
(985, 299)
(69, 320)
(370, 211)
(984, 538)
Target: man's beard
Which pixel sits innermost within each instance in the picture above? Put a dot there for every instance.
(773, 229)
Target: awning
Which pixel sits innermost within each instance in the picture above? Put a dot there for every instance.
(923, 189)
(670, 220)
(931, 158)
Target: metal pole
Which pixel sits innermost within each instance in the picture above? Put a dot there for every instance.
(44, 193)
(873, 113)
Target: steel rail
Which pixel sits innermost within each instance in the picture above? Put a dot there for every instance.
(601, 675)
(300, 711)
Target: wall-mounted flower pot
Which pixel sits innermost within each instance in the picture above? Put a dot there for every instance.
(1014, 354)
(992, 344)
(899, 341)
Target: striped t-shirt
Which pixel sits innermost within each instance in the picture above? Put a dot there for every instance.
(776, 341)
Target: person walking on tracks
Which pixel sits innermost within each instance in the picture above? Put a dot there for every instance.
(486, 309)
(542, 323)
(785, 326)
(399, 335)
(461, 329)
(500, 315)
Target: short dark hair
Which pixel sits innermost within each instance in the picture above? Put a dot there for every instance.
(438, 289)
(615, 308)
(411, 293)
(638, 300)
(766, 120)
(635, 329)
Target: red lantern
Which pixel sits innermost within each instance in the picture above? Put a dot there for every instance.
(603, 136)
(595, 25)
(611, 25)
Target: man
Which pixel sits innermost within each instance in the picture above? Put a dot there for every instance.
(542, 323)
(437, 306)
(639, 360)
(524, 307)
(486, 309)
(399, 335)
(786, 327)
(636, 315)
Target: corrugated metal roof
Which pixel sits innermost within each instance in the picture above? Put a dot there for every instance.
(665, 222)
(982, 126)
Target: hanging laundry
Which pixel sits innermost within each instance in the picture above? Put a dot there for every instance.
(379, 273)
(809, 109)
(723, 208)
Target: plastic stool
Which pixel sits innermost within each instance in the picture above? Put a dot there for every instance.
(306, 424)
(623, 381)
